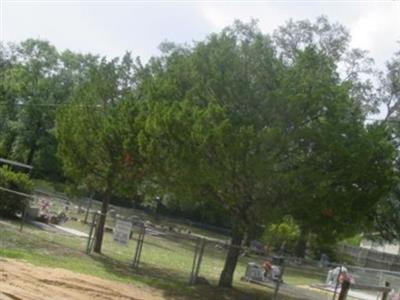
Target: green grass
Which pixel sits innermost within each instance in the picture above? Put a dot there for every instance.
(176, 255)
(165, 264)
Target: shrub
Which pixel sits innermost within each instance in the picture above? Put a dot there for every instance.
(11, 203)
(286, 232)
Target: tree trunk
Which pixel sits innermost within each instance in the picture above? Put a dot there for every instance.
(102, 222)
(301, 246)
(31, 153)
(226, 277)
(33, 145)
(8, 145)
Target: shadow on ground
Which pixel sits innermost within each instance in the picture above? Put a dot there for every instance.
(174, 286)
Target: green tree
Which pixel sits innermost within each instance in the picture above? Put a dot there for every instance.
(8, 107)
(91, 133)
(209, 132)
(228, 121)
(387, 216)
(37, 80)
(332, 40)
(11, 203)
(37, 62)
(389, 89)
(341, 168)
(282, 235)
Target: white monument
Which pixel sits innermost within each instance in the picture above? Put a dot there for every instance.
(122, 231)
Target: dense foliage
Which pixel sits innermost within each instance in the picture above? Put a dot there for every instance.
(228, 120)
(242, 128)
(10, 203)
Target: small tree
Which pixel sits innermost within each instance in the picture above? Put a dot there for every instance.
(12, 203)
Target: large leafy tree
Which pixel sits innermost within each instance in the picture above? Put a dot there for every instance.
(210, 131)
(37, 80)
(387, 216)
(389, 89)
(231, 122)
(8, 105)
(34, 74)
(340, 167)
(355, 67)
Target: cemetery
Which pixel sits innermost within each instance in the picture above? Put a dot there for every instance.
(74, 225)
(192, 256)
(184, 150)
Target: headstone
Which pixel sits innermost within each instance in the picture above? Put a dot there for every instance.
(33, 212)
(254, 272)
(257, 247)
(122, 231)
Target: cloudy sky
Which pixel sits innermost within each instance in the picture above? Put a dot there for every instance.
(113, 27)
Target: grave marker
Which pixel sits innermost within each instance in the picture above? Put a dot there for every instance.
(122, 231)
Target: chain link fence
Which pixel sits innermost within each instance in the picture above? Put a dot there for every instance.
(183, 253)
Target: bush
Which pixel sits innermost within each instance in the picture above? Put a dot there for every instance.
(11, 203)
(286, 232)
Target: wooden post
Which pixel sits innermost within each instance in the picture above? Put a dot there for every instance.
(385, 293)
(344, 290)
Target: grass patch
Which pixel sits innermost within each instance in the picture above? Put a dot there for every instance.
(166, 262)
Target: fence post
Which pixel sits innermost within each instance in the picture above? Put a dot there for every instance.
(23, 218)
(385, 293)
(200, 258)
(196, 252)
(278, 283)
(88, 246)
(344, 290)
(337, 283)
(139, 247)
(88, 209)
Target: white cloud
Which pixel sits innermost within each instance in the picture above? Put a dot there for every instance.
(269, 16)
(113, 28)
(374, 26)
(378, 30)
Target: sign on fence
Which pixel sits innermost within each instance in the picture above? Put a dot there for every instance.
(122, 231)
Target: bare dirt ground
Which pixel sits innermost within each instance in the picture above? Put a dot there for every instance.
(24, 281)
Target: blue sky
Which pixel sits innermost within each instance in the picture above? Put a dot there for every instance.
(113, 27)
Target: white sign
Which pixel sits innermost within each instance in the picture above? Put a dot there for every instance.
(122, 231)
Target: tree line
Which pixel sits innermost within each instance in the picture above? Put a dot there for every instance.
(247, 126)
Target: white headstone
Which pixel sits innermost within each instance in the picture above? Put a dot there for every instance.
(254, 272)
(122, 231)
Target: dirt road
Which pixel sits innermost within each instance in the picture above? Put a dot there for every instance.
(23, 281)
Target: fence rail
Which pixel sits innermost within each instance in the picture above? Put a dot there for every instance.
(369, 258)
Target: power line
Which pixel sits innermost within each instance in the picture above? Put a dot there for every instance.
(51, 104)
